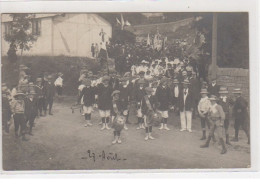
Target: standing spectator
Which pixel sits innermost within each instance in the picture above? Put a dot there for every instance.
(203, 108)
(49, 93)
(96, 50)
(213, 88)
(241, 115)
(30, 110)
(186, 104)
(195, 88)
(175, 94)
(225, 103)
(93, 50)
(58, 84)
(6, 112)
(163, 95)
(40, 99)
(18, 109)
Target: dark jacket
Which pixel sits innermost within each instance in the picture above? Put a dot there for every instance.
(114, 83)
(48, 90)
(6, 110)
(139, 94)
(124, 96)
(240, 108)
(119, 107)
(30, 110)
(164, 98)
(213, 90)
(189, 103)
(144, 107)
(225, 106)
(195, 88)
(88, 95)
(104, 97)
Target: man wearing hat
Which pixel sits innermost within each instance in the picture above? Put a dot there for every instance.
(216, 116)
(148, 108)
(88, 95)
(58, 84)
(48, 93)
(203, 108)
(175, 93)
(240, 114)
(104, 102)
(139, 93)
(186, 105)
(163, 95)
(225, 103)
(213, 88)
(39, 93)
(30, 109)
(113, 82)
(125, 95)
(195, 88)
(6, 111)
(18, 109)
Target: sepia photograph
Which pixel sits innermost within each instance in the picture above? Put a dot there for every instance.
(125, 90)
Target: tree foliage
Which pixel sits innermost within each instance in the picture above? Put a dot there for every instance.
(20, 35)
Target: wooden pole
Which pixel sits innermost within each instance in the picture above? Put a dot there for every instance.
(214, 46)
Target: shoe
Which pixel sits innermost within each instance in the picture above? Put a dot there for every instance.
(207, 143)
(103, 127)
(138, 128)
(25, 139)
(161, 126)
(190, 131)
(142, 126)
(119, 141)
(30, 133)
(108, 128)
(234, 139)
(203, 138)
(166, 128)
(125, 127)
(89, 124)
(114, 142)
(50, 113)
(183, 129)
(86, 125)
(151, 137)
(146, 138)
(223, 151)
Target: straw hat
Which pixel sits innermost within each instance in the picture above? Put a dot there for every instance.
(115, 92)
(213, 98)
(105, 79)
(223, 90)
(204, 91)
(237, 91)
(187, 82)
(175, 81)
(19, 93)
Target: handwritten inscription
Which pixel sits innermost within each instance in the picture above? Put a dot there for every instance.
(104, 156)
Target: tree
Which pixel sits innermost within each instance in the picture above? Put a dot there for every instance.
(20, 35)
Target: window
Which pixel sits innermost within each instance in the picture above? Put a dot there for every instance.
(36, 27)
(7, 29)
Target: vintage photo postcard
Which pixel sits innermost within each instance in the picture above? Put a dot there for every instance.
(125, 90)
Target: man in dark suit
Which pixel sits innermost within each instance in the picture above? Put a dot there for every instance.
(49, 93)
(31, 109)
(240, 114)
(213, 88)
(186, 105)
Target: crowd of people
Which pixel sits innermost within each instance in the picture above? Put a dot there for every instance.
(29, 99)
(156, 88)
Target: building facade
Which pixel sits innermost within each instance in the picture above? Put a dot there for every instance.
(63, 34)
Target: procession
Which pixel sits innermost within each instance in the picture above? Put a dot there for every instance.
(152, 89)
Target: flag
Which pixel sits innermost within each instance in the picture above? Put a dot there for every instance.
(122, 22)
(65, 42)
(148, 40)
(117, 21)
(127, 23)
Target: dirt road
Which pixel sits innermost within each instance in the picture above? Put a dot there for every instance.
(61, 142)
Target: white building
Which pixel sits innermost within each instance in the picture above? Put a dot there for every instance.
(69, 34)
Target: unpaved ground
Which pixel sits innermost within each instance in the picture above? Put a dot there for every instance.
(61, 142)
